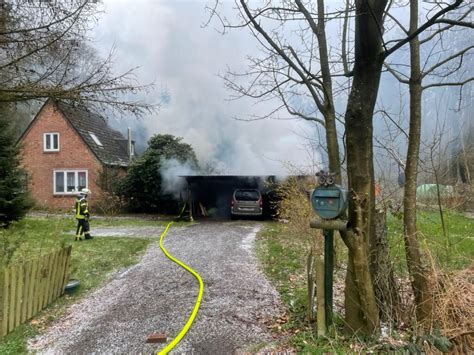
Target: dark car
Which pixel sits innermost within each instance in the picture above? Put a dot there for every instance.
(246, 202)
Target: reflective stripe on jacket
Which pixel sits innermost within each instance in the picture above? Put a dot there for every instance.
(82, 208)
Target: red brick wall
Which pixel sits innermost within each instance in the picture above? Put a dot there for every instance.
(73, 154)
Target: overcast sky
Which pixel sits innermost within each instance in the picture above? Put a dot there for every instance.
(166, 39)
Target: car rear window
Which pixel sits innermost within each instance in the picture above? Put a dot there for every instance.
(247, 195)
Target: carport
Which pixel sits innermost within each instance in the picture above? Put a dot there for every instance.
(211, 195)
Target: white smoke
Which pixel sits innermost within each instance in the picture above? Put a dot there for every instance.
(171, 172)
(166, 39)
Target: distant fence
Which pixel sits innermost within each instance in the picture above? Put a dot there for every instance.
(27, 288)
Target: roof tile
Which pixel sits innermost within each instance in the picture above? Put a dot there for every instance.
(114, 147)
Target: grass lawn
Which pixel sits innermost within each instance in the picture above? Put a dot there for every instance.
(91, 262)
(283, 255)
(452, 251)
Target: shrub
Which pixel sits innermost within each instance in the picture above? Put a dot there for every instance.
(14, 199)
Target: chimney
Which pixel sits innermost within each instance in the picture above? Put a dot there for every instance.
(129, 145)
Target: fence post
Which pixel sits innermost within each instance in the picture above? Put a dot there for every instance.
(66, 268)
(2, 300)
(328, 273)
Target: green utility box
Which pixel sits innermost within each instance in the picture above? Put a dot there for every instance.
(329, 202)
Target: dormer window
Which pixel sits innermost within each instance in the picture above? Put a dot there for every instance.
(95, 139)
(51, 142)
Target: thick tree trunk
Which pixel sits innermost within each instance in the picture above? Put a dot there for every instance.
(361, 307)
(378, 257)
(417, 272)
(360, 296)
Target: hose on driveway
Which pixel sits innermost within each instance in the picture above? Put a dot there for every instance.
(188, 324)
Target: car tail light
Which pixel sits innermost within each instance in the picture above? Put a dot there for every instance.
(232, 203)
(261, 202)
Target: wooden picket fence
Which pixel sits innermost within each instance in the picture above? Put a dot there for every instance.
(28, 288)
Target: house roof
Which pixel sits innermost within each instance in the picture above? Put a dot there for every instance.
(108, 145)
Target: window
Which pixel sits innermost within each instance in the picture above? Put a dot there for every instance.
(247, 195)
(95, 139)
(69, 181)
(51, 142)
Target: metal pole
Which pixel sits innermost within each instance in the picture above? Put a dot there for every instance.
(328, 273)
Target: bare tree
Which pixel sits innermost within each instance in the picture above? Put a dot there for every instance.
(289, 74)
(296, 74)
(44, 53)
(436, 72)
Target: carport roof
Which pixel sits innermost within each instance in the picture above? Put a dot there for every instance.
(227, 178)
(230, 177)
(241, 180)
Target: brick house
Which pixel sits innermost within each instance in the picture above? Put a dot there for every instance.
(66, 148)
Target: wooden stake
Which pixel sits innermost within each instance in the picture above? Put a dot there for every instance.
(321, 309)
(156, 338)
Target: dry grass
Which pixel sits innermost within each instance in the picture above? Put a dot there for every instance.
(453, 313)
(295, 206)
(295, 209)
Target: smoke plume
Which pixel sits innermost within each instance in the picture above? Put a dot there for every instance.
(171, 172)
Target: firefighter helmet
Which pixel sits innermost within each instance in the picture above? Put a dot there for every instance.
(85, 192)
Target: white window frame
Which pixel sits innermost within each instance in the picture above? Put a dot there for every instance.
(76, 180)
(51, 134)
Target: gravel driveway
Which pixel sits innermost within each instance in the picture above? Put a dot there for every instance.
(156, 295)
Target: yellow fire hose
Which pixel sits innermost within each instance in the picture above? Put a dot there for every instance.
(188, 324)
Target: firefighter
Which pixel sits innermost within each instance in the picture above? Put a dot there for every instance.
(82, 215)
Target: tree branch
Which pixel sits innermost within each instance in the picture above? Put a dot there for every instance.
(456, 23)
(296, 113)
(442, 29)
(444, 61)
(319, 31)
(345, 25)
(459, 83)
(282, 54)
(422, 28)
(48, 25)
(394, 19)
(395, 74)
